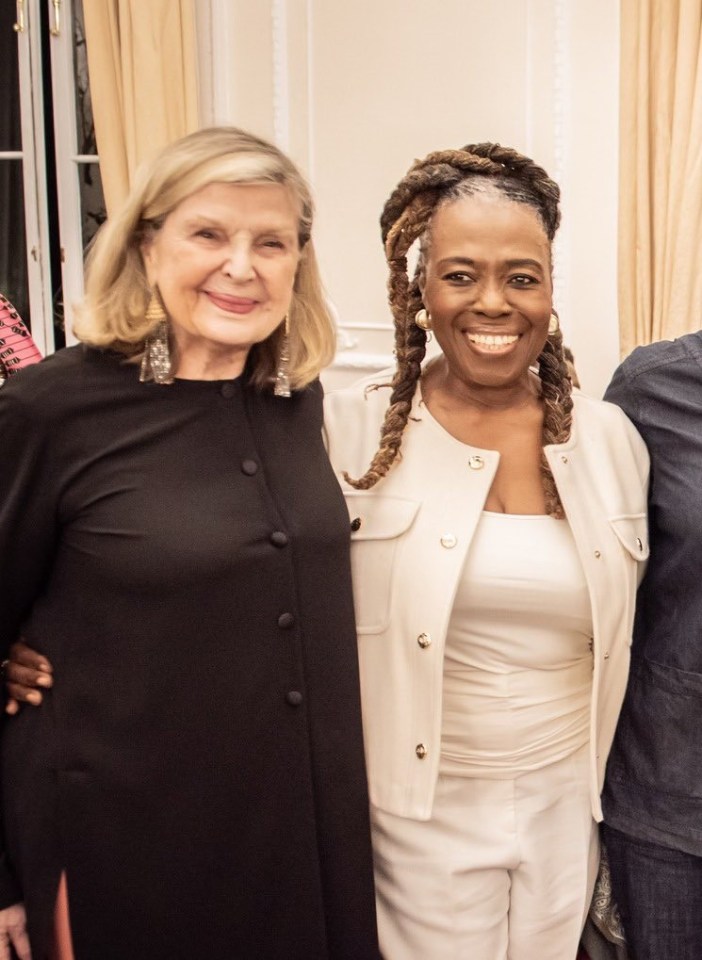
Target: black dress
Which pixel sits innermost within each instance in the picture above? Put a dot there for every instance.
(180, 553)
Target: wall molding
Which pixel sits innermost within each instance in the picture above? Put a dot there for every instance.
(281, 74)
(560, 148)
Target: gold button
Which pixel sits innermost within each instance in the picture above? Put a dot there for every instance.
(449, 541)
(639, 544)
(421, 751)
(476, 463)
(597, 554)
(424, 640)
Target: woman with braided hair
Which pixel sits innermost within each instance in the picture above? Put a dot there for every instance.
(498, 533)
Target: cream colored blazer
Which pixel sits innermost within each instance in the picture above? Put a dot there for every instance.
(410, 536)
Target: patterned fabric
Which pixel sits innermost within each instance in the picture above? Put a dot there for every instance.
(603, 936)
(17, 349)
(603, 909)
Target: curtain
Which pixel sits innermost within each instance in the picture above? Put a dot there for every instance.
(142, 61)
(660, 174)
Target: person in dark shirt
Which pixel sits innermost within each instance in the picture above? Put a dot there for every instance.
(653, 791)
(168, 518)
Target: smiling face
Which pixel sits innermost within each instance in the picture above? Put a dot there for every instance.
(225, 262)
(486, 282)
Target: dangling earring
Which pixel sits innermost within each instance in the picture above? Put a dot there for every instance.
(423, 319)
(156, 362)
(282, 376)
(554, 324)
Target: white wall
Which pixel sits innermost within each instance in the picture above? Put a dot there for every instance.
(356, 89)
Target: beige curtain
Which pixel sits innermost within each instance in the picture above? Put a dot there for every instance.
(142, 61)
(660, 222)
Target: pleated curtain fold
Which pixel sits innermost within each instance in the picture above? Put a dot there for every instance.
(660, 221)
(142, 59)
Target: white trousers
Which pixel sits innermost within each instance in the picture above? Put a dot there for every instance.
(503, 869)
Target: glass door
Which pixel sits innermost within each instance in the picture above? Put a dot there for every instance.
(51, 199)
(81, 205)
(25, 273)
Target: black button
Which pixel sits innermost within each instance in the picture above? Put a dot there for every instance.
(249, 467)
(279, 539)
(294, 698)
(227, 390)
(285, 621)
(356, 524)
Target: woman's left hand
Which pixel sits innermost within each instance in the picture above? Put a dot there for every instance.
(13, 931)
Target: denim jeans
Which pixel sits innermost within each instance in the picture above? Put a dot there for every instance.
(659, 894)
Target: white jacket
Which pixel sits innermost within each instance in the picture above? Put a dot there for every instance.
(410, 536)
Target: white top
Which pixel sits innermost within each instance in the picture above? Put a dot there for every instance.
(518, 659)
(406, 572)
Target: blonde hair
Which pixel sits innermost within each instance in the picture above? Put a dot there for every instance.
(113, 312)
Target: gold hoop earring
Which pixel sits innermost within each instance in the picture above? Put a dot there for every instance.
(282, 376)
(156, 362)
(554, 324)
(423, 319)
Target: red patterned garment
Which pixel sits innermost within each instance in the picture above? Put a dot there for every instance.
(17, 349)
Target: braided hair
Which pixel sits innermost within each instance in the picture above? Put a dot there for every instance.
(443, 177)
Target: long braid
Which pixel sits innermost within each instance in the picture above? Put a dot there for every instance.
(556, 393)
(410, 340)
(440, 177)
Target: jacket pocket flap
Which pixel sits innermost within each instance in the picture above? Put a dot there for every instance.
(632, 532)
(376, 517)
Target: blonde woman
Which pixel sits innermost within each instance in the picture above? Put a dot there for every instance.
(170, 521)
